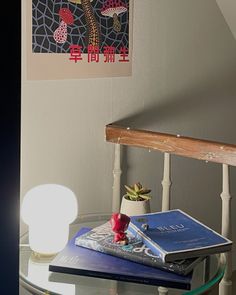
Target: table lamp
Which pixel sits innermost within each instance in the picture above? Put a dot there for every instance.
(48, 209)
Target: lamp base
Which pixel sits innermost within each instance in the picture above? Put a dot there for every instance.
(39, 257)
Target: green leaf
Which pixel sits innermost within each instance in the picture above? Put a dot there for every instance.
(139, 185)
(146, 197)
(137, 192)
(131, 196)
(145, 191)
(129, 189)
(136, 187)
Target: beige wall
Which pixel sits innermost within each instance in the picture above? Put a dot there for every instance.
(228, 8)
(183, 81)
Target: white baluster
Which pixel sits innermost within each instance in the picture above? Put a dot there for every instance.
(166, 183)
(116, 180)
(113, 290)
(162, 291)
(226, 283)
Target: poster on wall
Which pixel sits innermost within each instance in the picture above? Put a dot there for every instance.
(71, 39)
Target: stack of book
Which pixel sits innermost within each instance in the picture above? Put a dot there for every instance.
(163, 252)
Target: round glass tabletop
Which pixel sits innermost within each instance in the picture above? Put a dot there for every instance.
(36, 278)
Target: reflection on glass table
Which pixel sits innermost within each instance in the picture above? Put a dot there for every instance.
(36, 278)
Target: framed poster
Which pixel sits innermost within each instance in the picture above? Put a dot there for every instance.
(70, 39)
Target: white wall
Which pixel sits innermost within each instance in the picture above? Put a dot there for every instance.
(183, 81)
(228, 9)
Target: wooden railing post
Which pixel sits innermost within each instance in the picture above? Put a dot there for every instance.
(116, 180)
(226, 283)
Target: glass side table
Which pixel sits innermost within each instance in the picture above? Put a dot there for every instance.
(35, 277)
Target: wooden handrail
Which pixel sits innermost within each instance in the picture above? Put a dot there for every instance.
(175, 144)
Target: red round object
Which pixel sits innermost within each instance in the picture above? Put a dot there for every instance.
(66, 16)
(119, 222)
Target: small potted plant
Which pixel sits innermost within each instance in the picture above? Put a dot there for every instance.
(136, 201)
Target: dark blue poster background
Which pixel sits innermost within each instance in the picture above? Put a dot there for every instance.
(46, 19)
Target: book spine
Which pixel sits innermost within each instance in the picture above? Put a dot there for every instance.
(121, 277)
(94, 245)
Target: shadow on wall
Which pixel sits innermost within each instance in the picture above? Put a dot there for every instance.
(209, 104)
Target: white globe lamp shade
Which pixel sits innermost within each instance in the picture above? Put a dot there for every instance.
(48, 209)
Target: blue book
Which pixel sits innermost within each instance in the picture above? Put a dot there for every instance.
(85, 262)
(101, 239)
(175, 235)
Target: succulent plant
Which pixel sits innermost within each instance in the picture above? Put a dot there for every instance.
(137, 192)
